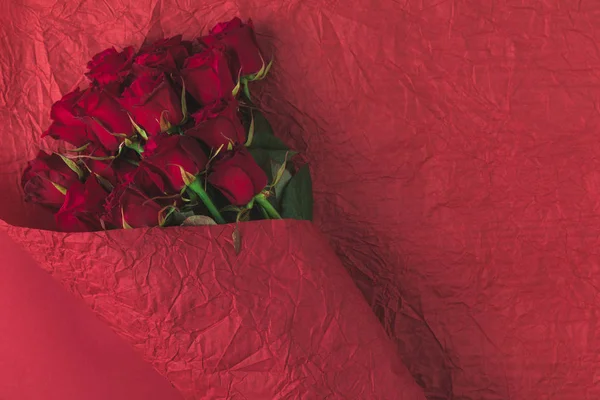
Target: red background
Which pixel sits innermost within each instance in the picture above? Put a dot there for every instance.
(453, 147)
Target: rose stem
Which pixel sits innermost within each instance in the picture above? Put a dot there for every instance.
(197, 188)
(261, 199)
(264, 213)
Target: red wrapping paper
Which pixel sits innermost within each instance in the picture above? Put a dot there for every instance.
(453, 148)
(53, 347)
(280, 320)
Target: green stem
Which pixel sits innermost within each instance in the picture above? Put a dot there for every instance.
(197, 188)
(264, 213)
(261, 199)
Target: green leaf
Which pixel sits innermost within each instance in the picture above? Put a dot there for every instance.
(268, 142)
(72, 165)
(297, 199)
(262, 124)
(263, 135)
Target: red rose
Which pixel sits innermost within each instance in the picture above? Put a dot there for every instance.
(207, 76)
(110, 66)
(218, 124)
(63, 110)
(238, 176)
(175, 158)
(150, 98)
(113, 170)
(150, 182)
(46, 179)
(128, 207)
(165, 55)
(238, 38)
(68, 125)
(106, 118)
(82, 208)
(89, 116)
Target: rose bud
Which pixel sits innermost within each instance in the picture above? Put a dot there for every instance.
(239, 39)
(68, 124)
(83, 207)
(46, 180)
(165, 55)
(218, 124)
(151, 182)
(129, 207)
(151, 99)
(110, 66)
(89, 116)
(237, 176)
(177, 158)
(112, 170)
(207, 76)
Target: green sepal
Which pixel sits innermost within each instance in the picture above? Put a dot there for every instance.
(72, 165)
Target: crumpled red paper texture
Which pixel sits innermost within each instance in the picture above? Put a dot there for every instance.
(453, 148)
(281, 320)
(54, 348)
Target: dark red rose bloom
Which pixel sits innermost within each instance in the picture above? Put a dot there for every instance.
(239, 39)
(176, 158)
(46, 180)
(151, 182)
(149, 97)
(82, 208)
(207, 76)
(113, 170)
(238, 176)
(127, 206)
(89, 116)
(68, 124)
(218, 124)
(62, 111)
(166, 55)
(110, 66)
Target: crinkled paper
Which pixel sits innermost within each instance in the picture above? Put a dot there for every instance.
(454, 152)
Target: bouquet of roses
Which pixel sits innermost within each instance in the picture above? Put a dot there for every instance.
(168, 136)
(173, 135)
